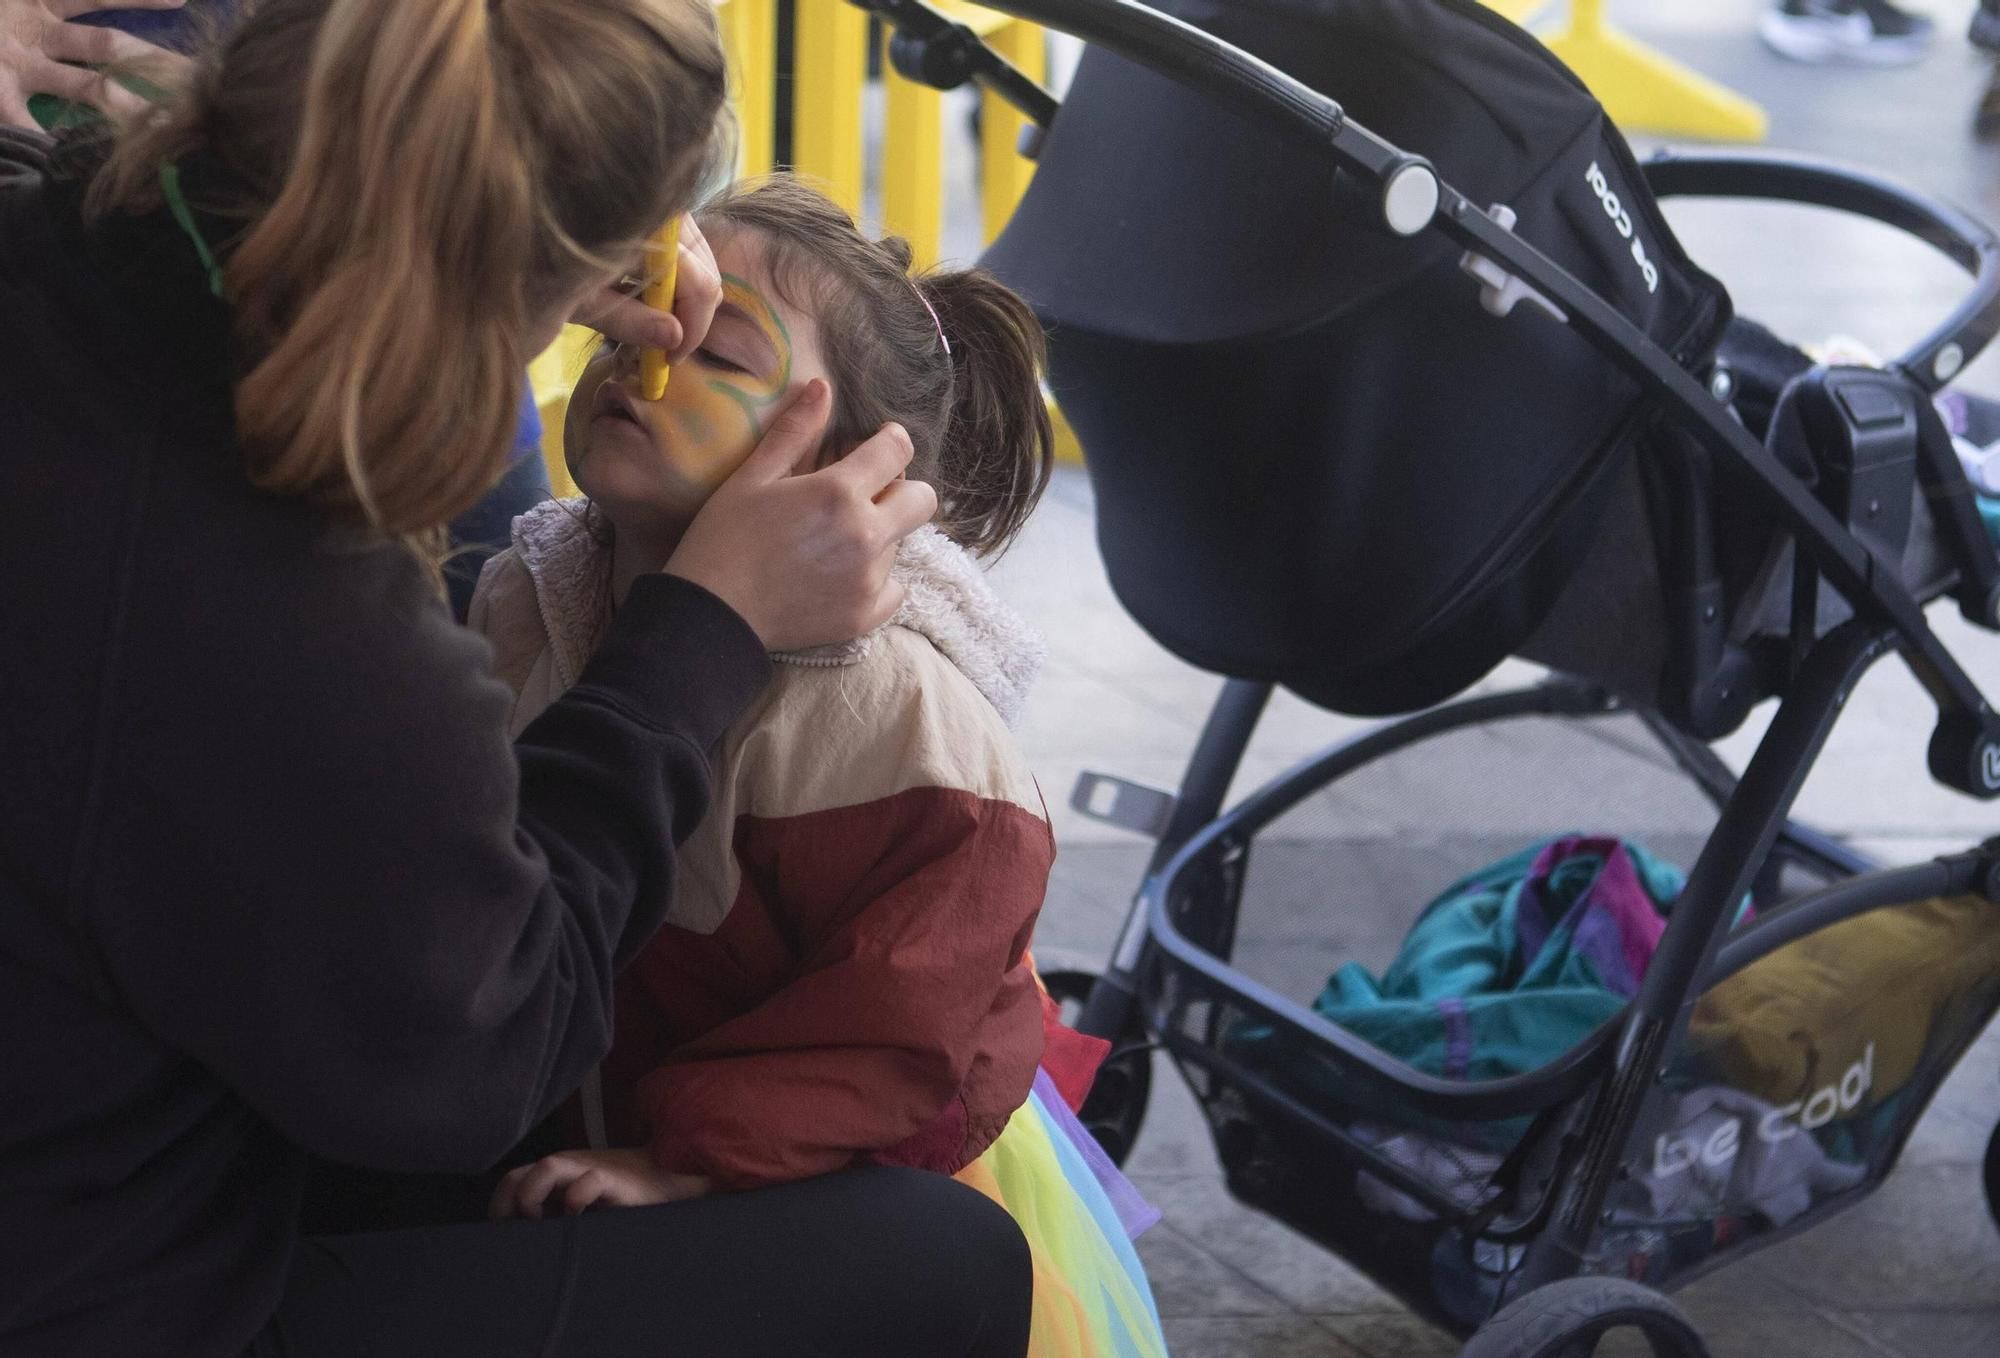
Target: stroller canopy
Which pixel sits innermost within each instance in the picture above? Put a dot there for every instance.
(1318, 459)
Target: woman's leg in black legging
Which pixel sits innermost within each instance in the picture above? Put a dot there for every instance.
(876, 1262)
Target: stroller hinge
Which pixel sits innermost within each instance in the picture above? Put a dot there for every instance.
(1965, 753)
(1500, 291)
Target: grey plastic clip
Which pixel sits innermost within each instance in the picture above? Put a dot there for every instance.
(1499, 290)
(1128, 805)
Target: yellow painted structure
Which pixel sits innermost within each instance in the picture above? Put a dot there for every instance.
(1005, 174)
(1644, 91)
(750, 34)
(1517, 11)
(830, 67)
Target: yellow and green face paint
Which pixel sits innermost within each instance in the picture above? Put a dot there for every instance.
(671, 454)
(739, 383)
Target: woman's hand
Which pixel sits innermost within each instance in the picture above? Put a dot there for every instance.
(576, 1181)
(697, 293)
(36, 42)
(805, 558)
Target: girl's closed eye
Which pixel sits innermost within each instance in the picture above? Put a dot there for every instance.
(715, 359)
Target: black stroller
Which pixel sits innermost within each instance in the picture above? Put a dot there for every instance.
(1369, 410)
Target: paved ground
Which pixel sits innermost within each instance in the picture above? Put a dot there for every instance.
(1916, 1270)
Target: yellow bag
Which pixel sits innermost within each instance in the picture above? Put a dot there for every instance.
(1839, 1021)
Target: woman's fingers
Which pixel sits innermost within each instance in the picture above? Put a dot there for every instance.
(878, 461)
(790, 439)
(906, 506)
(96, 46)
(805, 558)
(629, 321)
(697, 291)
(505, 1202)
(79, 86)
(586, 1190)
(532, 1186)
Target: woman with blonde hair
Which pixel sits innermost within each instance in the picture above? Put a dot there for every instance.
(273, 881)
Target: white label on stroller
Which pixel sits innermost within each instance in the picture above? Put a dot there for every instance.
(1673, 1154)
(1989, 765)
(1622, 219)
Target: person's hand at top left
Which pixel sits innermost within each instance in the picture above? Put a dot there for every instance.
(42, 52)
(697, 293)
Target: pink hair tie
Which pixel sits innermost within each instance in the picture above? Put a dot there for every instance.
(934, 316)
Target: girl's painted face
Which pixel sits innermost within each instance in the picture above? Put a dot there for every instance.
(663, 459)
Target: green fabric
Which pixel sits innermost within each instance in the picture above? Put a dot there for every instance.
(56, 114)
(1466, 998)
(1519, 1012)
(1989, 510)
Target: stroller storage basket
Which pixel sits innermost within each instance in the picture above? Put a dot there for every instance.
(1784, 1104)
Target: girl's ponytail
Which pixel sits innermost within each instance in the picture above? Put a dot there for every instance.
(998, 448)
(951, 354)
(418, 186)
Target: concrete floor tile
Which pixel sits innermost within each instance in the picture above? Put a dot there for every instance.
(1391, 1335)
(1174, 1141)
(1090, 891)
(1190, 1282)
(1747, 1284)
(1947, 1137)
(1260, 1337)
(1972, 1090)
(1304, 1275)
(1931, 1334)
(1924, 1240)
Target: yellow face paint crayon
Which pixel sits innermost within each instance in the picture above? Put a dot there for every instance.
(659, 295)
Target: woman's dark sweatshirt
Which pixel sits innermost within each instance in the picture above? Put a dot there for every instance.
(272, 878)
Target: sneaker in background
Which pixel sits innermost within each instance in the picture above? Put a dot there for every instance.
(1985, 30)
(1865, 32)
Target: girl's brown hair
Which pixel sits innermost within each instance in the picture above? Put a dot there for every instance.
(966, 385)
(415, 184)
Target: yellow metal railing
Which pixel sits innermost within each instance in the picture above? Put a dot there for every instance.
(1641, 90)
(750, 33)
(1644, 91)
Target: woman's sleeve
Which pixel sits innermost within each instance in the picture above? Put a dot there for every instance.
(318, 867)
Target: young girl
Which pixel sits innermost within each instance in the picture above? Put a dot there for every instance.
(844, 976)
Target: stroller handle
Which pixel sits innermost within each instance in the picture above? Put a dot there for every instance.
(1938, 356)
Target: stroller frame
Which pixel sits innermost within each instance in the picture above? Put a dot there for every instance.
(1171, 957)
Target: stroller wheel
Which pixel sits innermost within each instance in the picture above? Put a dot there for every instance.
(1116, 1107)
(1567, 1319)
(1993, 1176)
